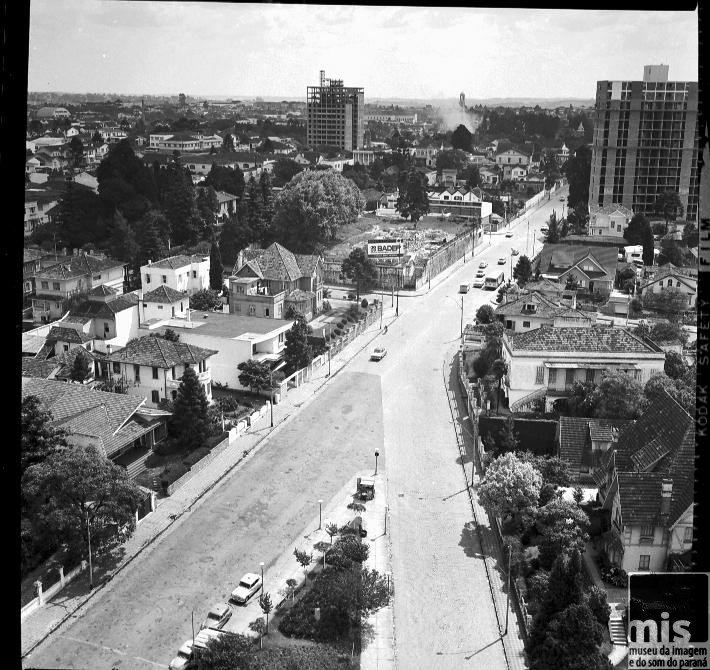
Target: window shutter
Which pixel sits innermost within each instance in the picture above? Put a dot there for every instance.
(539, 374)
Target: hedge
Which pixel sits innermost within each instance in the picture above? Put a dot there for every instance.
(172, 473)
(195, 456)
(537, 436)
(212, 442)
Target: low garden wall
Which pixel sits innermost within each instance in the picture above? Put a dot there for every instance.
(45, 595)
(536, 435)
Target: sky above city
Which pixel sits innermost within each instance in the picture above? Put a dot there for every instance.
(273, 50)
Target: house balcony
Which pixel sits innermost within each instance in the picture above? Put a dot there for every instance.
(202, 377)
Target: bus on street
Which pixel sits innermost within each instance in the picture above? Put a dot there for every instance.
(494, 280)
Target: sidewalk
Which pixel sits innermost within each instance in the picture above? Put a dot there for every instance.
(41, 623)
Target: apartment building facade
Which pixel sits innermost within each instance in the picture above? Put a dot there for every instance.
(646, 141)
(335, 115)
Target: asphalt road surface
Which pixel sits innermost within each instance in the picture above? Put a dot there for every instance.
(443, 611)
(253, 515)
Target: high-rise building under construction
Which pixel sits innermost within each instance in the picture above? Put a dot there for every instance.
(646, 142)
(335, 115)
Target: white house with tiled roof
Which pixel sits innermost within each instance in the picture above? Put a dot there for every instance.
(227, 203)
(646, 483)
(593, 268)
(153, 367)
(181, 273)
(546, 361)
(460, 201)
(106, 317)
(610, 220)
(672, 278)
(512, 157)
(163, 303)
(266, 281)
(529, 310)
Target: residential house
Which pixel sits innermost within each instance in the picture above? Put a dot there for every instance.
(38, 204)
(529, 310)
(227, 203)
(116, 424)
(184, 141)
(88, 180)
(164, 303)
(489, 175)
(646, 483)
(266, 282)
(112, 135)
(235, 339)
(336, 163)
(448, 177)
(461, 201)
(44, 113)
(152, 367)
(425, 154)
(57, 283)
(512, 157)
(181, 273)
(562, 155)
(592, 268)
(582, 443)
(546, 361)
(670, 276)
(364, 156)
(31, 265)
(515, 172)
(610, 220)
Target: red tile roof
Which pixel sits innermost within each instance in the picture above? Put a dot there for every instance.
(587, 339)
(157, 352)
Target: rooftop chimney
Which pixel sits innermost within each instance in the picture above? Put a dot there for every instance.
(666, 492)
(108, 349)
(149, 261)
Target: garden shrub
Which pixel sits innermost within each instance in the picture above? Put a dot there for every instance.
(364, 303)
(213, 441)
(325, 306)
(537, 587)
(194, 456)
(172, 473)
(597, 602)
(168, 446)
(352, 296)
(614, 575)
(154, 459)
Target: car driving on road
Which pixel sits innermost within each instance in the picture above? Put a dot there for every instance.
(249, 584)
(480, 273)
(478, 282)
(217, 616)
(509, 233)
(502, 261)
(483, 264)
(378, 354)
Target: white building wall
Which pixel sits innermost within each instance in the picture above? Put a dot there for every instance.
(633, 550)
(231, 352)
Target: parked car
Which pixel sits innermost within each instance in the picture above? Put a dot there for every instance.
(480, 273)
(562, 199)
(502, 261)
(483, 264)
(509, 233)
(217, 616)
(514, 252)
(478, 282)
(183, 658)
(378, 354)
(249, 584)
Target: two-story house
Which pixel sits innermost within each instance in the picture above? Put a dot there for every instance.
(31, 265)
(528, 310)
(152, 367)
(610, 220)
(512, 157)
(163, 303)
(235, 339)
(546, 361)
(38, 204)
(227, 203)
(181, 273)
(461, 201)
(591, 268)
(582, 443)
(266, 282)
(55, 284)
(646, 484)
(669, 276)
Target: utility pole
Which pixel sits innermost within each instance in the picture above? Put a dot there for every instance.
(88, 537)
(461, 315)
(507, 598)
(382, 304)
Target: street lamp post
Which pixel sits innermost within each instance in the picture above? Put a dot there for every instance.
(320, 514)
(88, 538)
(377, 454)
(330, 344)
(262, 577)
(271, 389)
(488, 407)
(507, 595)
(461, 315)
(385, 533)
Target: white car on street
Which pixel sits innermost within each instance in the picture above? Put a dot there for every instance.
(249, 584)
(509, 234)
(502, 261)
(483, 264)
(378, 354)
(217, 617)
(478, 282)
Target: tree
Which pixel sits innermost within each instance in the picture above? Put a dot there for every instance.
(581, 401)
(228, 652)
(38, 439)
(618, 396)
(597, 602)
(298, 352)
(553, 233)
(228, 143)
(304, 559)
(413, 200)
(171, 335)
(122, 243)
(266, 606)
(359, 268)
(234, 236)
(223, 178)
(76, 216)
(179, 204)
(76, 151)
(79, 482)
(509, 437)
(683, 391)
(563, 526)
(205, 300)
(671, 301)
(485, 314)
(668, 204)
(190, 424)
(509, 486)
(552, 469)
(523, 271)
(451, 159)
(259, 627)
(472, 176)
(674, 366)
(150, 237)
(82, 367)
(332, 529)
(578, 169)
(312, 207)
(284, 170)
(461, 138)
(671, 252)
(578, 218)
(255, 375)
(549, 168)
(690, 235)
(216, 269)
(668, 331)
(639, 232)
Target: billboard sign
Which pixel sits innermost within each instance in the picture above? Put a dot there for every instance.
(385, 247)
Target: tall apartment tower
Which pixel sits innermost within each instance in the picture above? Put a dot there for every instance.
(646, 141)
(335, 115)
